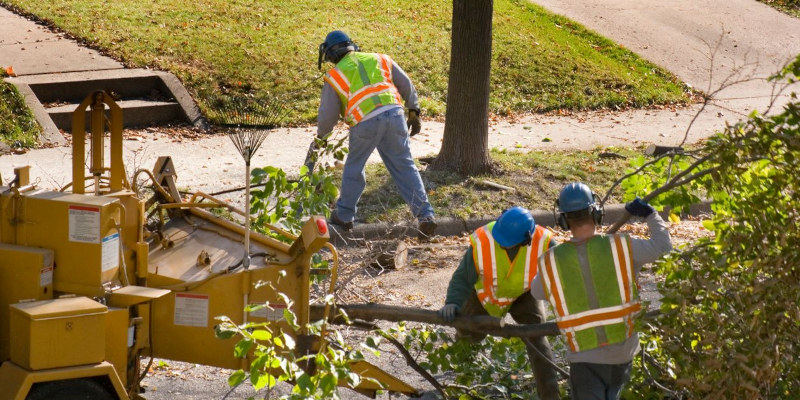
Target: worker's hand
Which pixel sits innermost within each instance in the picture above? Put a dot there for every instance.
(448, 312)
(639, 208)
(414, 125)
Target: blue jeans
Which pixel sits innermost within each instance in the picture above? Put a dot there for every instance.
(388, 133)
(588, 381)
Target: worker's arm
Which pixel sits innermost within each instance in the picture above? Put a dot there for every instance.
(329, 108)
(646, 251)
(463, 281)
(405, 87)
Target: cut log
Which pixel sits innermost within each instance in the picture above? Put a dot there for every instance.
(391, 255)
(657, 150)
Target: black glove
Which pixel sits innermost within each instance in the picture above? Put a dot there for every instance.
(448, 312)
(638, 208)
(414, 125)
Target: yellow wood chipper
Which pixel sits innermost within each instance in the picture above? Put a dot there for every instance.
(95, 277)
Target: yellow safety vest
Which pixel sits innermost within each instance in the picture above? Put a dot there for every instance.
(363, 82)
(593, 290)
(501, 280)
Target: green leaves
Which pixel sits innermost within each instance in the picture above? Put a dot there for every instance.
(730, 306)
(288, 203)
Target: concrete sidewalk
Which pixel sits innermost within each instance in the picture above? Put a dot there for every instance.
(33, 49)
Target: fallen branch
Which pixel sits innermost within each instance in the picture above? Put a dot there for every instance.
(475, 323)
(410, 361)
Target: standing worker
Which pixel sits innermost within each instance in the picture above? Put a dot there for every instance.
(494, 277)
(591, 284)
(368, 90)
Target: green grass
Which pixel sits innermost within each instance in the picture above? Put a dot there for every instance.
(269, 47)
(791, 7)
(536, 176)
(18, 127)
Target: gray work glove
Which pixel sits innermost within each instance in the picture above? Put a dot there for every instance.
(414, 125)
(639, 208)
(448, 312)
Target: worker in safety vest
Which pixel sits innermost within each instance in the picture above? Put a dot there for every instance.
(494, 278)
(368, 91)
(591, 284)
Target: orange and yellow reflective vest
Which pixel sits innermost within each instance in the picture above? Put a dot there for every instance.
(501, 280)
(593, 290)
(363, 82)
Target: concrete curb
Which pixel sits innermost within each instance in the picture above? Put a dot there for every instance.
(457, 226)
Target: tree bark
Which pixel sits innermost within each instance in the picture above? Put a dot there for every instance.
(465, 146)
(476, 323)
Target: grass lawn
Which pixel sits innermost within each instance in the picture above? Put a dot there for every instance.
(537, 177)
(269, 48)
(18, 127)
(791, 7)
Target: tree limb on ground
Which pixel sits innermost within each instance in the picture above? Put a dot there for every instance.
(475, 323)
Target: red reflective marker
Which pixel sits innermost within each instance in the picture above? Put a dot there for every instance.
(322, 226)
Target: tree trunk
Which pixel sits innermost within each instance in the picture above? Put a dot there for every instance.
(465, 147)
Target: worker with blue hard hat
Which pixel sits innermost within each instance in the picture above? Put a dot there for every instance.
(494, 278)
(369, 91)
(590, 281)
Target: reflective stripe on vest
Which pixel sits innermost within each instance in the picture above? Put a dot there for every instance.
(501, 281)
(593, 290)
(363, 82)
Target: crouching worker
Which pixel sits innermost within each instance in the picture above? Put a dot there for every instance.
(590, 282)
(494, 278)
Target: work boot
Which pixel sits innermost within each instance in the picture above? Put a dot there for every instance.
(338, 221)
(426, 227)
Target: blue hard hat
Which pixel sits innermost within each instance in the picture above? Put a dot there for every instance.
(575, 196)
(335, 46)
(335, 37)
(513, 227)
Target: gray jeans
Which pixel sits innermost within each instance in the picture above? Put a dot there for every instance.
(588, 381)
(388, 133)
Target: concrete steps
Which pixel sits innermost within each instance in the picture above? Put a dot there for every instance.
(147, 97)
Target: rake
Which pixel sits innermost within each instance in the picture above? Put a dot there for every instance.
(251, 121)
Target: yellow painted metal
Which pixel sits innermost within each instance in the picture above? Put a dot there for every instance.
(82, 232)
(385, 381)
(131, 295)
(25, 273)
(164, 283)
(117, 323)
(57, 333)
(98, 101)
(16, 382)
(22, 176)
(184, 321)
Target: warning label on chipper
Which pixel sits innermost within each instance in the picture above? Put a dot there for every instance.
(191, 309)
(84, 224)
(46, 276)
(110, 252)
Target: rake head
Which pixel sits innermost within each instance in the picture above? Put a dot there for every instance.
(251, 119)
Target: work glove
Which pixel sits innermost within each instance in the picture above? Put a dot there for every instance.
(448, 312)
(639, 208)
(414, 125)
